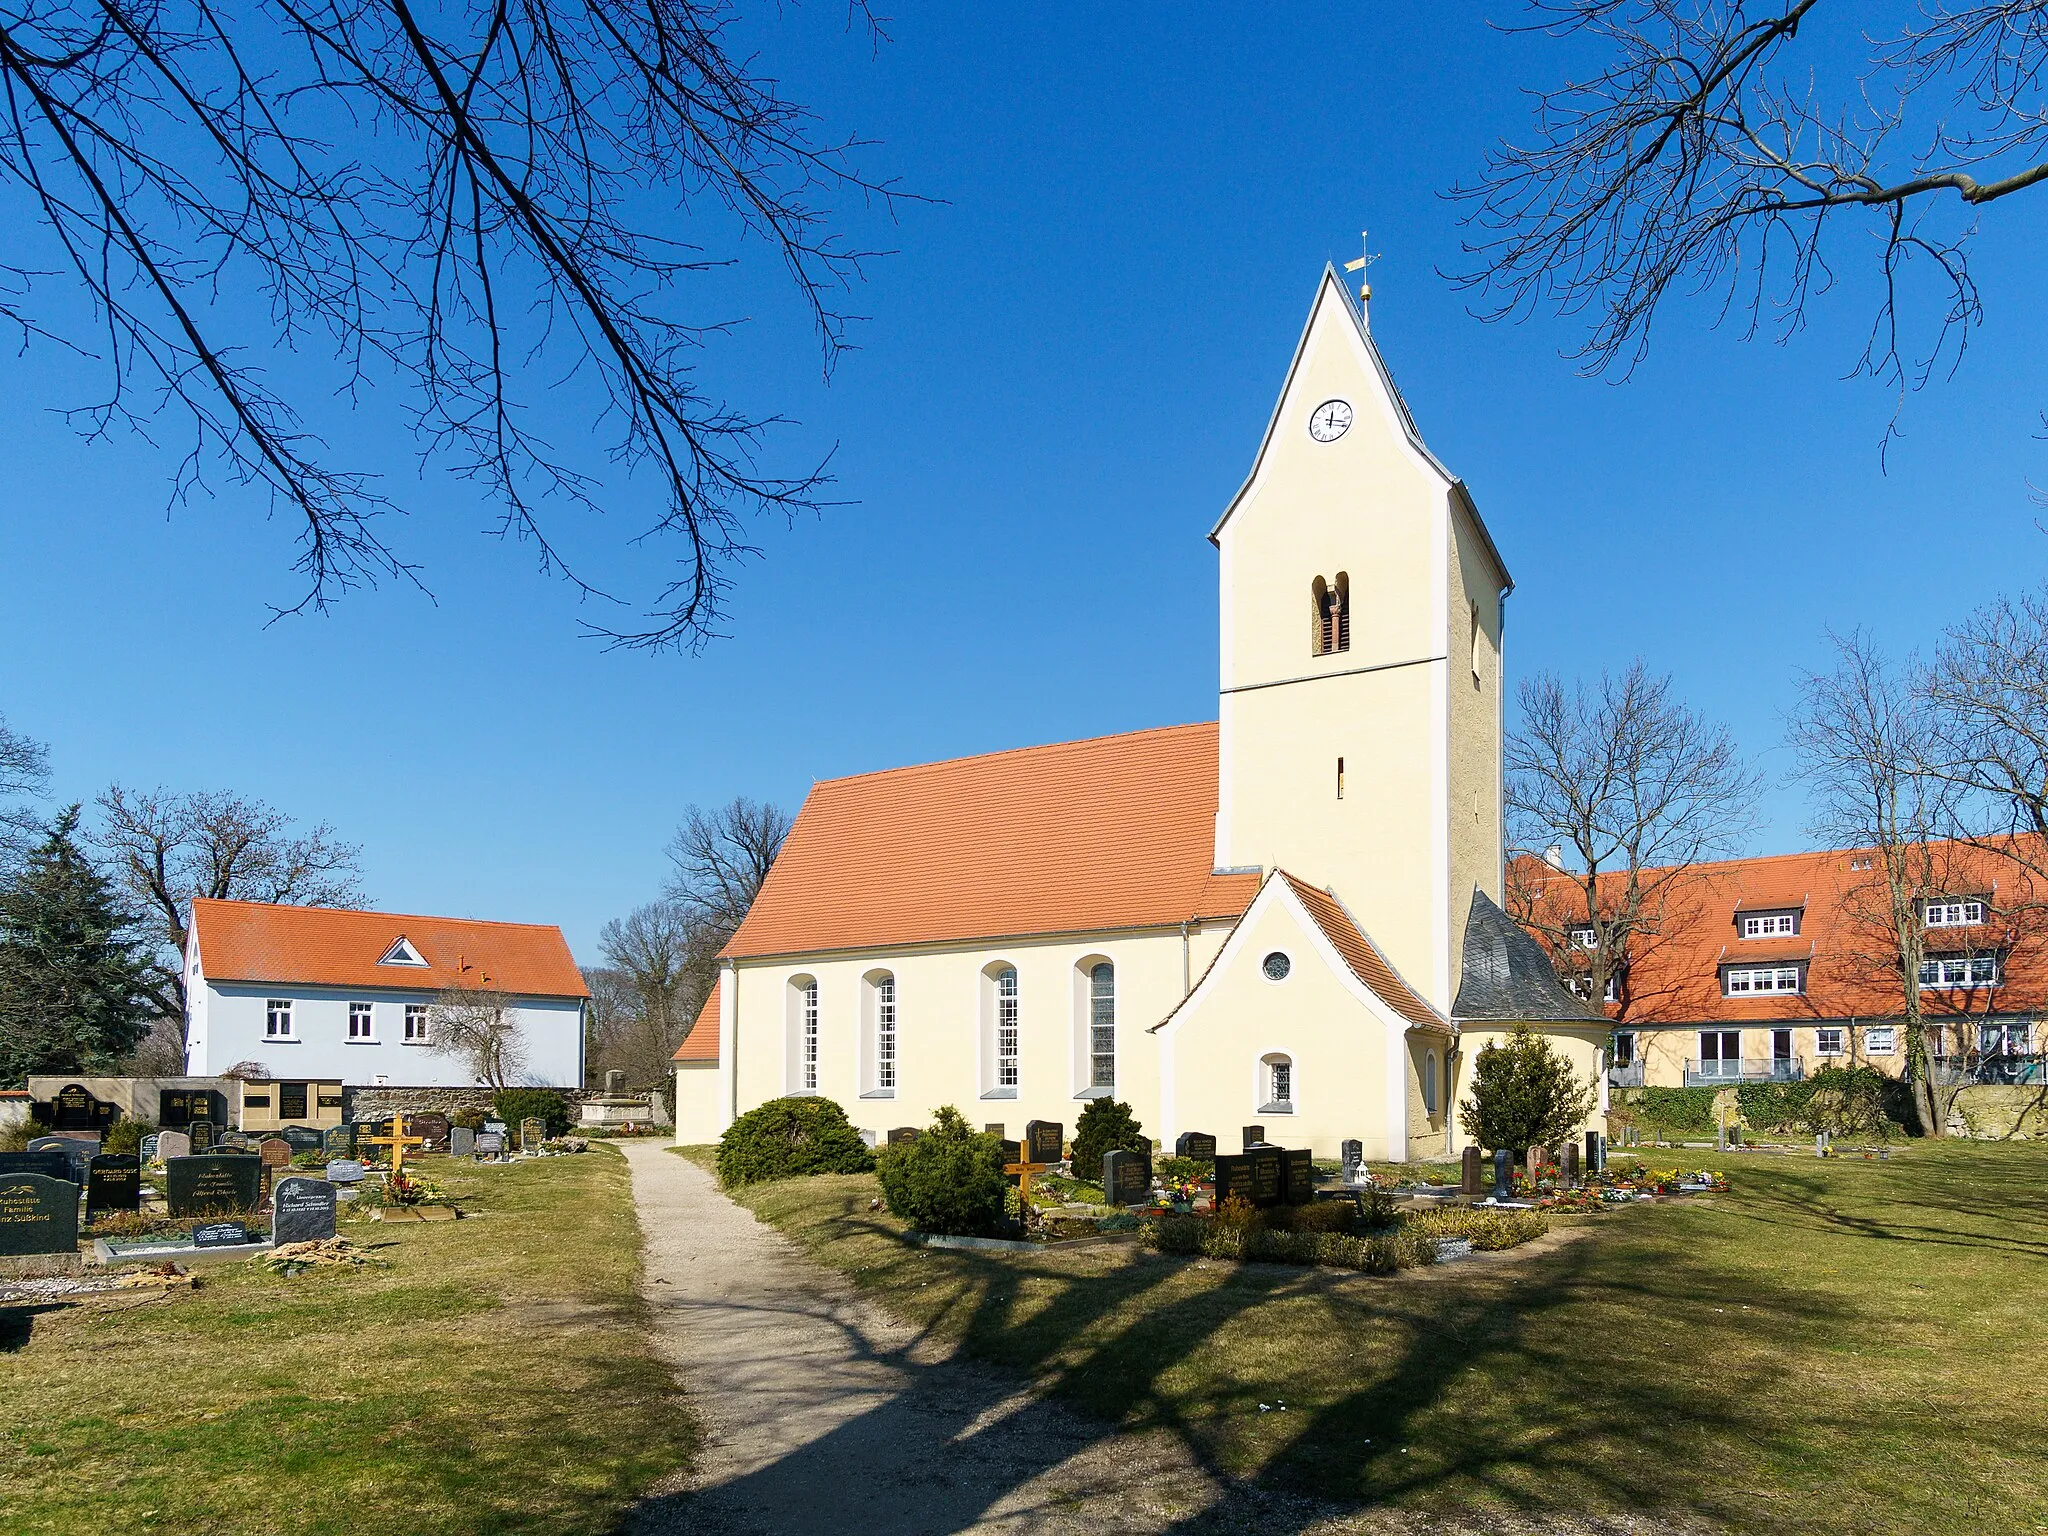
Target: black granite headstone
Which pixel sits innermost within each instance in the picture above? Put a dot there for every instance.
(1269, 1176)
(75, 1109)
(113, 1183)
(179, 1107)
(201, 1132)
(339, 1141)
(996, 1129)
(301, 1211)
(148, 1148)
(50, 1162)
(1571, 1165)
(1503, 1174)
(1196, 1144)
(213, 1184)
(303, 1138)
(1044, 1141)
(37, 1214)
(1254, 1136)
(1126, 1178)
(81, 1152)
(1352, 1155)
(1299, 1181)
(1596, 1153)
(220, 1234)
(1013, 1151)
(1233, 1177)
(903, 1135)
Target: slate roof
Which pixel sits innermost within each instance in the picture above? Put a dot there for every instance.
(1508, 976)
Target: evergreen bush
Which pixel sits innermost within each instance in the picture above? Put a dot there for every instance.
(124, 1137)
(788, 1139)
(1105, 1126)
(513, 1105)
(1524, 1095)
(949, 1181)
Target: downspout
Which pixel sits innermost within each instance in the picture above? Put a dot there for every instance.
(1186, 974)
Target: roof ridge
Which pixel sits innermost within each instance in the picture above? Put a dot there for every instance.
(421, 917)
(1034, 748)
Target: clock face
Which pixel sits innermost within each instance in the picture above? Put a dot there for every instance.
(1330, 420)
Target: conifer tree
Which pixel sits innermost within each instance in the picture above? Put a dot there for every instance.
(71, 977)
(1524, 1095)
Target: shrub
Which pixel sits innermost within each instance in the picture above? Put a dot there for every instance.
(124, 1137)
(1185, 1170)
(1106, 1125)
(1524, 1095)
(1485, 1230)
(473, 1120)
(789, 1139)
(947, 1182)
(15, 1135)
(1679, 1109)
(513, 1105)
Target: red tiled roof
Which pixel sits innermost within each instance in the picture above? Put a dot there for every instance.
(1363, 956)
(1674, 976)
(1114, 832)
(701, 1043)
(329, 946)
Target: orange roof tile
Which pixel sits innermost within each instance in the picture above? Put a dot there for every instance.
(1364, 957)
(1766, 951)
(1114, 832)
(701, 1043)
(329, 946)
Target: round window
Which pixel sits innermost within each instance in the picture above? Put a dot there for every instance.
(1276, 966)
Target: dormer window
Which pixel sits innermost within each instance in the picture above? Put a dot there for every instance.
(1954, 914)
(1585, 936)
(403, 953)
(1769, 925)
(1330, 615)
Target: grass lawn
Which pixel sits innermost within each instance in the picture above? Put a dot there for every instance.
(1841, 1346)
(496, 1377)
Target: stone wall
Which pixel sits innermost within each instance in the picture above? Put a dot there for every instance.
(377, 1103)
(1998, 1112)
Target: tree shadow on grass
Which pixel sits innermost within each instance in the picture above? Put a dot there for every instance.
(18, 1321)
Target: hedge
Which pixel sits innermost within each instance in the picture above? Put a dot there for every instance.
(791, 1138)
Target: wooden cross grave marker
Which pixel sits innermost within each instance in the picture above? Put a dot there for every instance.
(397, 1141)
(1024, 1170)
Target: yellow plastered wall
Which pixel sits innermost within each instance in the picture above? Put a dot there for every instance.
(1339, 1049)
(942, 1024)
(1666, 1051)
(1418, 824)
(1428, 1130)
(1583, 1048)
(697, 1113)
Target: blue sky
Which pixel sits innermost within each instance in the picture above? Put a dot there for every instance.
(1062, 377)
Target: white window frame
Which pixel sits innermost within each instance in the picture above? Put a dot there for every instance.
(1279, 1084)
(1769, 925)
(1880, 1040)
(807, 1035)
(1953, 914)
(885, 1033)
(418, 1027)
(1585, 936)
(1102, 1027)
(1762, 981)
(1961, 973)
(1009, 1021)
(277, 1019)
(365, 1015)
(1829, 1041)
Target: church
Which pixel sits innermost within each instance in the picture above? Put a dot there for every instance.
(1288, 916)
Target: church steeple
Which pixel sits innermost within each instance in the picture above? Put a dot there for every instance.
(1360, 739)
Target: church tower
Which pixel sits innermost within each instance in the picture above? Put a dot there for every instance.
(1361, 607)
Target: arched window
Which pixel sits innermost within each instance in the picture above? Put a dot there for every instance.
(1429, 1082)
(1102, 1025)
(1330, 609)
(807, 1035)
(1006, 1027)
(885, 1032)
(1276, 1074)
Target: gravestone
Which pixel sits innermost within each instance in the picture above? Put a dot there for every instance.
(1254, 1136)
(1299, 1176)
(234, 1141)
(1196, 1144)
(220, 1234)
(170, 1144)
(301, 1211)
(1269, 1176)
(212, 1185)
(75, 1109)
(81, 1153)
(344, 1170)
(490, 1144)
(1353, 1157)
(614, 1083)
(1044, 1141)
(51, 1144)
(1126, 1178)
(1471, 1178)
(37, 1214)
(148, 1148)
(274, 1153)
(497, 1127)
(1503, 1174)
(113, 1183)
(1535, 1165)
(179, 1107)
(201, 1132)
(433, 1126)
(1571, 1165)
(1233, 1176)
(51, 1163)
(339, 1141)
(903, 1136)
(996, 1130)
(1596, 1154)
(531, 1134)
(303, 1138)
(461, 1141)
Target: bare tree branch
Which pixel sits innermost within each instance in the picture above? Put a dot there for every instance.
(721, 857)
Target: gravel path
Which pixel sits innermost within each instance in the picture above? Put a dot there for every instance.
(822, 1414)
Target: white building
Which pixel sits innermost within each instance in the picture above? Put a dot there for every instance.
(317, 994)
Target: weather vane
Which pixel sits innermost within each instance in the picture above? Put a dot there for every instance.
(1365, 260)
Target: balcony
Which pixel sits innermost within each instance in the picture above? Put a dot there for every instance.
(1727, 1071)
(1630, 1076)
(2019, 1068)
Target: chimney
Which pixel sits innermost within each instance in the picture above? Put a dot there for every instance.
(1554, 856)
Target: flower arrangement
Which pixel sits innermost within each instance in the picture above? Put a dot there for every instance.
(402, 1188)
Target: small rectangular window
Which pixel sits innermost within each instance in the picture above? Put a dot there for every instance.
(1764, 925)
(1743, 981)
(277, 1019)
(361, 1022)
(1827, 1042)
(1283, 1082)
(415, 1023)
(1955, 914)
(1340, 778)
(1881, 1040)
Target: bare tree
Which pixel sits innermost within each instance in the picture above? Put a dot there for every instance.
(1722, 147)
(665, 955)
(1986, 694)
(1862, 734)
(609, 1016)
(168, 848)
(24, 770)
(475, 203)
(720, 858)
(1615, 795)
(481, 1028)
